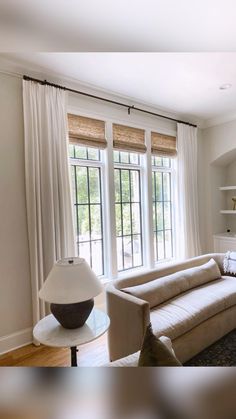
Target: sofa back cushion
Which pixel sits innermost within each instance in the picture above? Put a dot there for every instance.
(162, 289)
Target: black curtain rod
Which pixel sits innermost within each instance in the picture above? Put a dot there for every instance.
(106, 100)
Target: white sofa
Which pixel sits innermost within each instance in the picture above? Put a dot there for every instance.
(193, 313)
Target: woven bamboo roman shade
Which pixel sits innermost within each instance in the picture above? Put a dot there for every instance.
(163, 145)
(129, 139)
(86, 131)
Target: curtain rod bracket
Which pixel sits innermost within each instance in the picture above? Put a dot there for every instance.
(130, 107)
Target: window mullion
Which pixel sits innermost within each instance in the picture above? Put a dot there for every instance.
(89, 211)
(147, 207)
(131, 220)
(110, 218)
(122, 221)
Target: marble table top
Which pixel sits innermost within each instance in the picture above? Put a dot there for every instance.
(49, 332)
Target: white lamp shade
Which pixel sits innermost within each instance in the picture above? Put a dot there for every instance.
(71, 280)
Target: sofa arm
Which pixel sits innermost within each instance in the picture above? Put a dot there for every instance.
(129, 318)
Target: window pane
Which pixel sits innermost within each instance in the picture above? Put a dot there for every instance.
(153, 186)
(117, 185)
(87, 199)
(166, 162)
(158, 177)
(155, 245)
(126, 219)
(134, 181)
(93, 154)
(136, 219)
(73, 184)
(96, 222)
(127, 252)
(160, 245)
(76, 226)
(97, 261)
(125, 185)
(118, 220)
(84, 251)
(116, 156)
(162, 222)
(124, 157)
(166, 186)
(84, 153)
(167, 215)
(168, 244)
(71, 150)
(134, 158)
(137, 249)
(159, 215)
(154, 216)
(82, 185)
(119, 253)
(156, 161)
(94, 185)
(83, 222)
(80, 152)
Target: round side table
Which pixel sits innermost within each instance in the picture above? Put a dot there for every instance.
(49, 332)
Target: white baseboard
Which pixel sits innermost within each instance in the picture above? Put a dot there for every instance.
(15, 340)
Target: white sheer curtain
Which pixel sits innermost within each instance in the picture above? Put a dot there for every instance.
(48, 195)
(187, 240)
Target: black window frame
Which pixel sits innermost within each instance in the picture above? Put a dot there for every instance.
(162, 169)
(76, 162)
(135, 167)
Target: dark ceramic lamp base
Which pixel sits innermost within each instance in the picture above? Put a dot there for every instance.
(72, 316)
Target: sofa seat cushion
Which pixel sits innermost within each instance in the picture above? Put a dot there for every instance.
(183, 313)
(162, 289)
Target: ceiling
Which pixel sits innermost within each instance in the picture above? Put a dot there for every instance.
(186, 84)
(124, 25)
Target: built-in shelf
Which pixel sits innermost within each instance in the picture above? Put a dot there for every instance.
(227, 188)
(228, 211)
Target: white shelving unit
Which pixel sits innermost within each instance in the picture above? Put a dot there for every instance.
(228, 211)
(224, 242)
(227, 188)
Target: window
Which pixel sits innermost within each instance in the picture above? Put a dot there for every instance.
(86, 169)
(162, 208)
(128, 210)
(122, 217)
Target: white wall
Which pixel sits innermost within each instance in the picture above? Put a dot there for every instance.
(15, 289)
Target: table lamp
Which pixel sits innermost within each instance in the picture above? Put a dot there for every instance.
(70, 288)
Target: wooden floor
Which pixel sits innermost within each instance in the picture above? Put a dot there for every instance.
(91, 354)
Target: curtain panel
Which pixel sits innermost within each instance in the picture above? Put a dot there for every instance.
(48, 194)
(187, 237)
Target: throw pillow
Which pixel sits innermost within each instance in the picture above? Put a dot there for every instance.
(154, 352)
(230, 263)
(162, 289)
